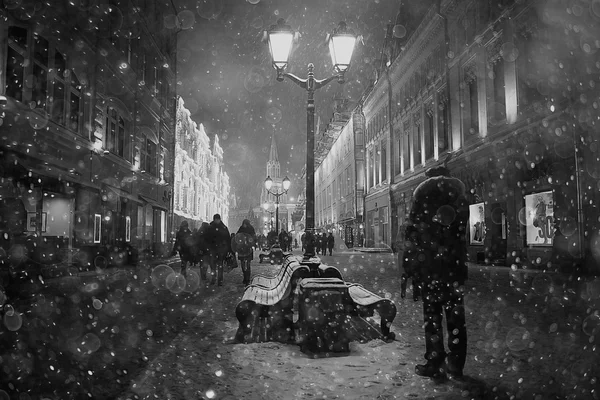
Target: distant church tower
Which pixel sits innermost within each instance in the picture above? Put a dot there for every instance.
(273, 166)
(274, 171)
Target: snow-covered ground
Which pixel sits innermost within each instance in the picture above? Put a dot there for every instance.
(127, 336)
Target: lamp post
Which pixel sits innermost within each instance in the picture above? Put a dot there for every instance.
(286, 187)
(341, 45)
(266, 208)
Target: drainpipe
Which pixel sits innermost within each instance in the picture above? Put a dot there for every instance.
(388, 156)
(580, 226)
(173, 147)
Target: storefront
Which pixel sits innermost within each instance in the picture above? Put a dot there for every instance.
(377, 222)
(523, 203)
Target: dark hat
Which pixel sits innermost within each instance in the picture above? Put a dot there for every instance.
(437, 171)
(216, 216)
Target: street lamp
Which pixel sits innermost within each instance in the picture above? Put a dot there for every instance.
(270, 219)
(341, 46)
(286, 187)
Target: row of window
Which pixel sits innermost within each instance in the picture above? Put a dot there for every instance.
(417, 137)
(40, 75)
(415, 145)
(342, 186)
(37, 74)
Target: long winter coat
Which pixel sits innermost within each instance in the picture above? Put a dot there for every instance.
(183, 244)
(218, 238)
(201, 246)
(435, 236)
(247, 229)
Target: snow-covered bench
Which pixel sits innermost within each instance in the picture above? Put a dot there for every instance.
(367, 302)
(265, 311)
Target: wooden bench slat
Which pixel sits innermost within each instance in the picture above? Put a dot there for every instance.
(268, 290)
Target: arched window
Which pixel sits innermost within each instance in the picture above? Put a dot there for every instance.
(40, 71)
(148, 149)
(57, 100)
(74, 99)
(15, 69)
(115, 132)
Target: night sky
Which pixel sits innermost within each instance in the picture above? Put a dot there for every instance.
(228, 84)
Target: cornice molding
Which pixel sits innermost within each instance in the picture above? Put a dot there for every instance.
(416, 49)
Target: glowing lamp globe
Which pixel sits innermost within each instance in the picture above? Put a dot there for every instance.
(341, 47)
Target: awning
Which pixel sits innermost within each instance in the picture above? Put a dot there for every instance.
(54, 172)
(123, 194)
(152, 202)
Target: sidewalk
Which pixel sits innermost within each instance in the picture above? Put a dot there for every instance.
(373, 249)
(70, 277)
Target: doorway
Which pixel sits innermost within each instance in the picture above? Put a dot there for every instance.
(498, 234)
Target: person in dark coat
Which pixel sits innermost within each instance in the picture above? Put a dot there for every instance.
(324, 244)
(435, 257)
(283, 240)
(272, 238)
(243, 244)
(219, 241)
(184, 245)
(330, 243)
(202, 249)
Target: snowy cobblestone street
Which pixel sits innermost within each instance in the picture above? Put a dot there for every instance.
(522, 344)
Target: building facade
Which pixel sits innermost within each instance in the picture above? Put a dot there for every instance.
(501, 93)
(339, 177)
(199, 174)
(488, 88)
(87, 133)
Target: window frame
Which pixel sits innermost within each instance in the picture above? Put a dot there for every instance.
(54, 78)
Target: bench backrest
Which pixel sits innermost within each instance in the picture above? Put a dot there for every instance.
(281, 288)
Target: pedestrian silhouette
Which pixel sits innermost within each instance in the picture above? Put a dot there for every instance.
(219, 241)
(435, 256)
(243, 244)
(183, 244)
(202, 254)
(330, 243)
(324, 244)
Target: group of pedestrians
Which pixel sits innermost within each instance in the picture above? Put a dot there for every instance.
(207, 247)
(212, 246)
(322, 243)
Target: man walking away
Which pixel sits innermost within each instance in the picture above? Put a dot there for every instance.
(435, 256)
(324, 244)
(203, 249)
(283, 237)
(330, 243)
(183, 244)
(243, 244)
(220, 245)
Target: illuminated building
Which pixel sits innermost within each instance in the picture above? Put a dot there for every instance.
(201, 185)
(339, 177)
(88, 118)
